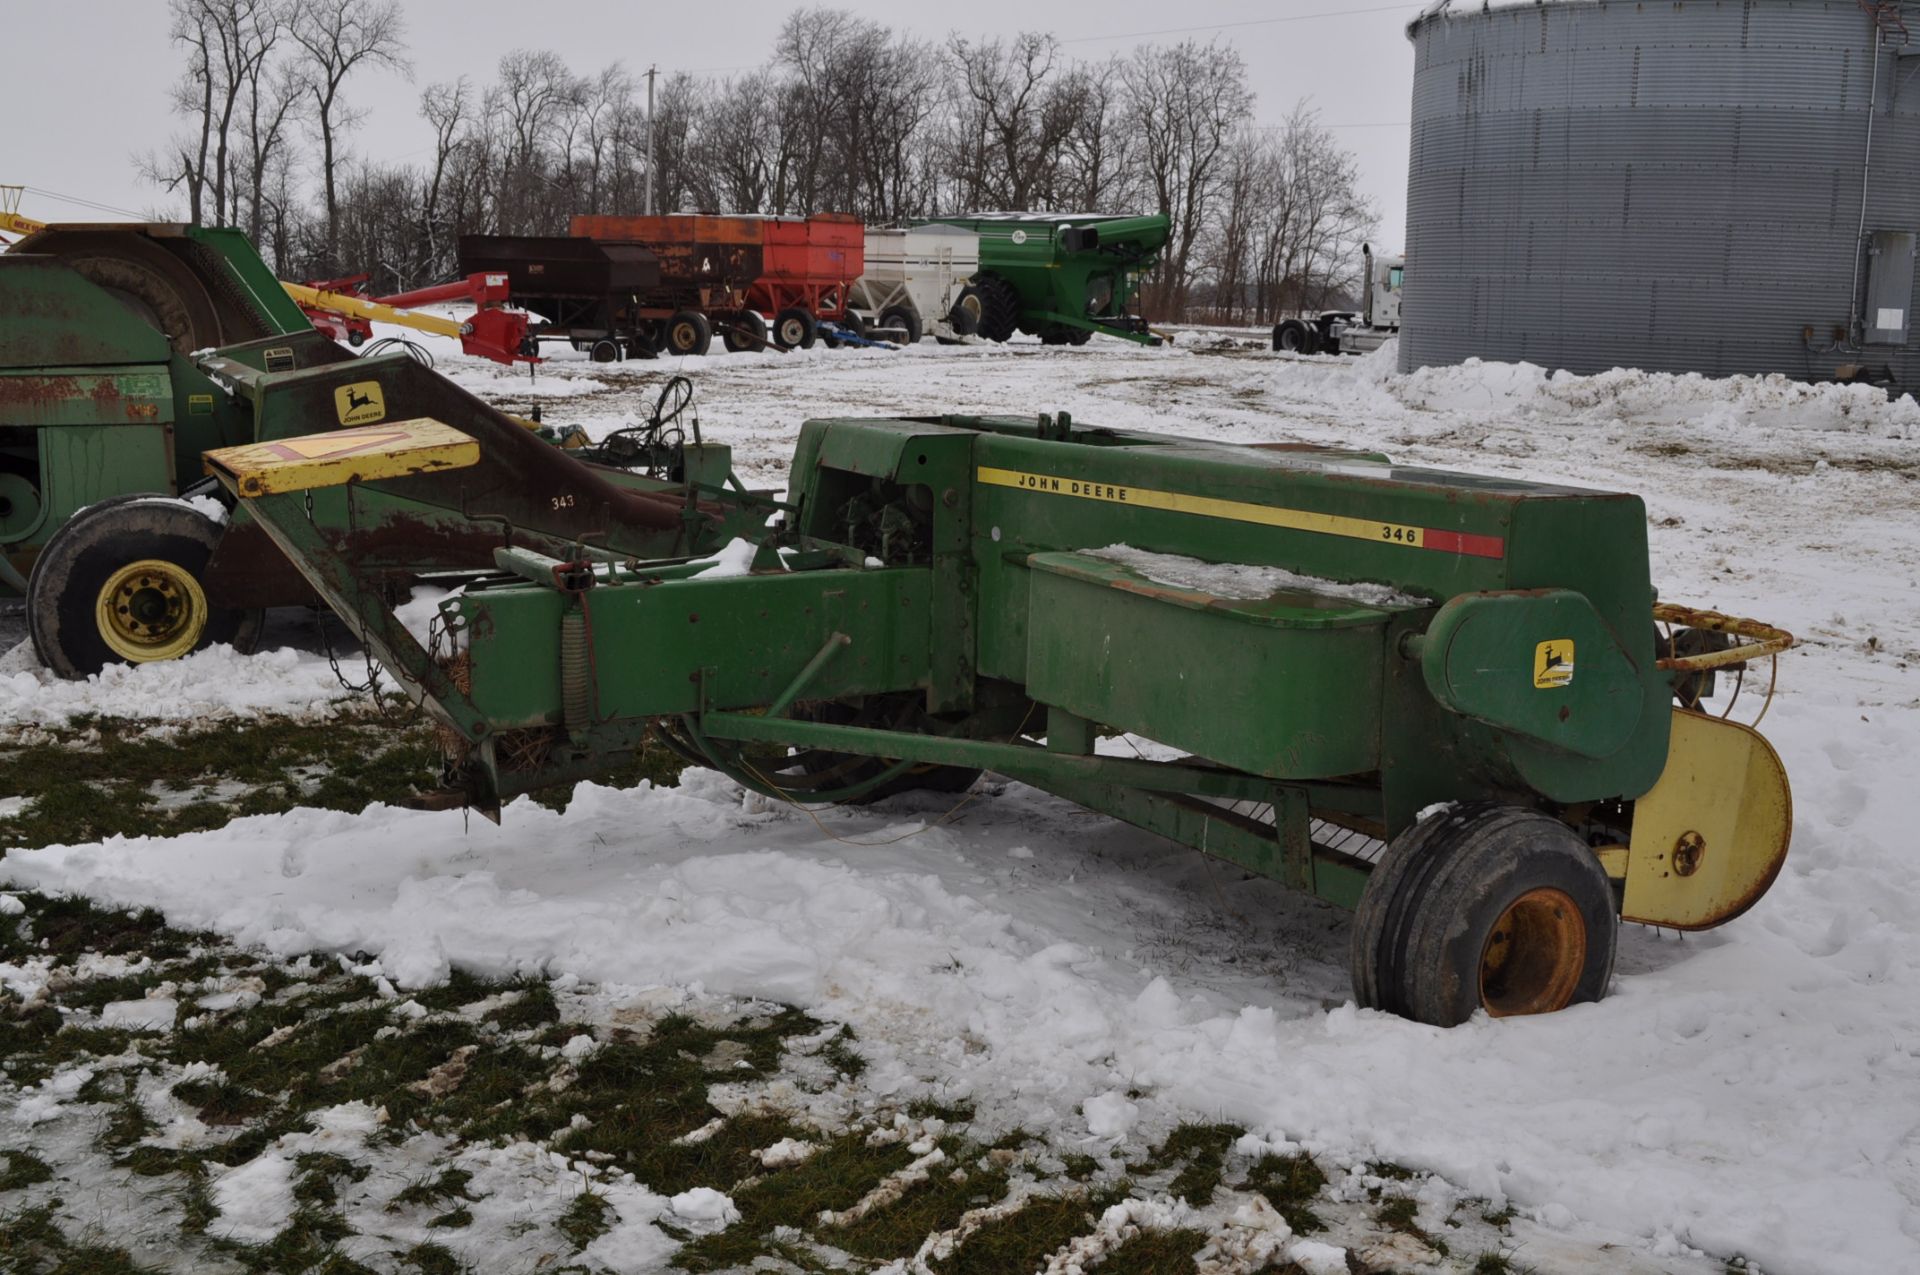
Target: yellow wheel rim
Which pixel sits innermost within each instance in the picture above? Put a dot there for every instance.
(151, 610)
(1533, 957)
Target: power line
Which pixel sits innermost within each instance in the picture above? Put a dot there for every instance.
(84, 203)
(1251, 22)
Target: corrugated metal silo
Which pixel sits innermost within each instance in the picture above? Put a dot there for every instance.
(1678, 185)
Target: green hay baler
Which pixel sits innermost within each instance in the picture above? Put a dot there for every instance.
(1442, 700)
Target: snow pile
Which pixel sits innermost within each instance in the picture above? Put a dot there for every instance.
(1773, 402)
(1770, 1050)
(1238, 580)
(216, 682)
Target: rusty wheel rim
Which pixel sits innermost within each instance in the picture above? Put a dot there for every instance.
(1534, 955)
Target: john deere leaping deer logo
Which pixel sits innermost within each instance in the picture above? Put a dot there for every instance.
(1553, 664)
(360, 403)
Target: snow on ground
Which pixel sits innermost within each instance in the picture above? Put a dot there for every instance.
(1755, 1090)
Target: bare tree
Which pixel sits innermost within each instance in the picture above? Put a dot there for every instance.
(228, 43)
(339, 37)
(1187, 101)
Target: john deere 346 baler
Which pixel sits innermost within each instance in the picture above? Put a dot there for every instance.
(1448, 702)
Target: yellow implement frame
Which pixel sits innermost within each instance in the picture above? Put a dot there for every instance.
(11, 222)
(346, 303)
(367, 453)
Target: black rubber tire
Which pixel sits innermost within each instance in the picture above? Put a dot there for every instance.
(603, 351)
(687, 333)
(899, 316)
(745, 333)
(1424, 922)
(1055, 336)
(1080, 336)
(964, 318)
(794, 328)
(1292, 337)
(96, 542)
(999, 307)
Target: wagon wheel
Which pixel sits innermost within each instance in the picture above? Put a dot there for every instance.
(1488, 907)
(999, 307)
(688, 332)
(905, 320)
(745, 332)
(793, 328)
(120, 582)
(964, 318)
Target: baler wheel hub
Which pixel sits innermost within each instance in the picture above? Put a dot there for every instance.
(1534, 955)
(151, 610)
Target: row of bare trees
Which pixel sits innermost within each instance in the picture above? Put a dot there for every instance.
(845, 116)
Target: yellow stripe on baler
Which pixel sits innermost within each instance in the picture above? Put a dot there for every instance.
(1209, 507)
(367, 453)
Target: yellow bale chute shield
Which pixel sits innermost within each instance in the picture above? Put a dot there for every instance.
(396, 449)
(1712, 834)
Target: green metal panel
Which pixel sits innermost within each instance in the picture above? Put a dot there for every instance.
(252, 277)
(734, 642)
(55, 396)
(1538, 664)
(54, 318)
(1162, 662)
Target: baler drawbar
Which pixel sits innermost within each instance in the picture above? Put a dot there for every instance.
(1439, 699)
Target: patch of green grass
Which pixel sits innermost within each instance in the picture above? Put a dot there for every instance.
(640, 1096)
(317, 1172)
(1022, 1240)
(1080, 1166)
(1492, 1263)
(1201, 1150)
(98, 777)
(23, 1169)
(841, 1055)
(1155, 1253)
(67, 927)
(1502, 1218)
(833, 1178)
(585, 1219)
(432, 1259)
(1398, 1213)
(1290, 1183)
(221, 1102)
(935, 1205)
(453, 1219)
(31, 1243)
(534, 1007)
(448, 1185)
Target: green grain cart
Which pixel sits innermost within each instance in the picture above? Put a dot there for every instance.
(1058, 276)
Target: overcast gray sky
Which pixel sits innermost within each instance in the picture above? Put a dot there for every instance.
(87, 79)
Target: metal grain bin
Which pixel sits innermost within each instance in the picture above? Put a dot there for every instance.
(1716, 186)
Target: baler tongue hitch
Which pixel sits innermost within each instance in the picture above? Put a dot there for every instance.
(1432, 697)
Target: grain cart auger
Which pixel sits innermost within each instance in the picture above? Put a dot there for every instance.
(1442, 700)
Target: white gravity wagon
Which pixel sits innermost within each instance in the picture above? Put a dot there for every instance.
(918, 283)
